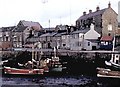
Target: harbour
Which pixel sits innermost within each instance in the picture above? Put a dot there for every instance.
(76, 73)
(85, 53)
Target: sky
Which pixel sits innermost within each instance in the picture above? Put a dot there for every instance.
(48, 13)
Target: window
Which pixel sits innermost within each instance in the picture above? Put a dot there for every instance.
(63, 37)
(117, 61)
(106, 43)
(78, 44)
(109, 34)
(15, 39)
(88, 43)
(117, 56)
(64, 45)
(1, 38)
(77, 24)
(7, 38)
(73, 36)
(109, 27)
(20, 38)
(77, 36)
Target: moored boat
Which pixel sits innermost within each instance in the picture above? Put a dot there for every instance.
(114, 62)
(35, 66)
(56, 65)
(102, 72)
(9, 70)
(113, 65)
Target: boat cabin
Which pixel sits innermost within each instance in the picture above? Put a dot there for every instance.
(116, 59)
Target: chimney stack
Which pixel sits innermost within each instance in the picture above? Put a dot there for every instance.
(97, 8)
(90, 11)
(109, 5)
(84, 13)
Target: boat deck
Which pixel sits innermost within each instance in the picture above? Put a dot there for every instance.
(102, 72)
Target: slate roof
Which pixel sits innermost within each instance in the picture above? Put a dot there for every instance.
(5, 29)
(60, 34)
(80, 31)
(19, 29)
(33, 39)
(48, 35)
(47, 29)
(92, 14)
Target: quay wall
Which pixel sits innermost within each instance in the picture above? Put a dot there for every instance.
(76, 54)
(77, 62)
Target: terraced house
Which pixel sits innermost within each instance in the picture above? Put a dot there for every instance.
(105, 21)
(6, 37)
(20, 35)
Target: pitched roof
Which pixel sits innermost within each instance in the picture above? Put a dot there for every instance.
(48, 35)
(60, 34)
(5, 29)
(106, 38)
(19, 29)
(93, 40)
(34, 25)
(80, 31)
(32, 39)
(92, 14)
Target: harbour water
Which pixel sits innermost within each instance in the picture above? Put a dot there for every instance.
(60, 81)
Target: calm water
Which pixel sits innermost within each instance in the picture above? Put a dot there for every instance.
(60, 81)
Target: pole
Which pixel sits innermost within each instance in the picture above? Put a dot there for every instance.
(49, 24)
(32, 54)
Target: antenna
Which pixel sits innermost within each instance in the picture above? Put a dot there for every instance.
(49, 24)
(70, 12)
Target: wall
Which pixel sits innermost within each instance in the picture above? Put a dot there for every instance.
(109, 17)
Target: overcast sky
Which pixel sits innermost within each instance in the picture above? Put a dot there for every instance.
(57, 11)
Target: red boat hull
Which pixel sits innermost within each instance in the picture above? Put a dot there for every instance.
(9, 70)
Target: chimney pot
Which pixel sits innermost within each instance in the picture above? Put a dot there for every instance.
(109, 5)
(84, 13)
(90, 11)
(97, 8)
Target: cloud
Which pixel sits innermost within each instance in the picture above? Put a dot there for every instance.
(58, 11)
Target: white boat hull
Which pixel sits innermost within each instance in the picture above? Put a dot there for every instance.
(57, 69)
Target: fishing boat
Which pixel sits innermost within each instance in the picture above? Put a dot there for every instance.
(114, 62)
(33, 67)
(9, 70)
(113, 66)
(56, 65)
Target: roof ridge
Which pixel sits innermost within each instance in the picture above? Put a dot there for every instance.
(92, 13)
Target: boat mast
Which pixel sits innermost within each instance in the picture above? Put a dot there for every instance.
(55, 52)
(40, 56)
(32, 55)
(113, 47)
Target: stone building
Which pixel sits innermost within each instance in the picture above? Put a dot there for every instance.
(6, 37)
(105, 21)
(86, 39)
